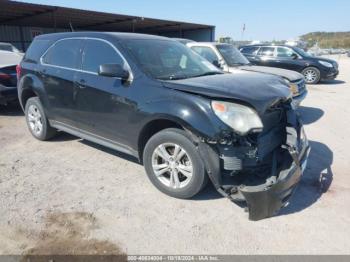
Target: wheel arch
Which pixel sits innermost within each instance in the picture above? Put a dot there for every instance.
(151, 128)
(30, 86)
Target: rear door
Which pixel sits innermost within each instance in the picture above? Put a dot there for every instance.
(250, 52)
(57, 71)
(266, 56)
(101, 104)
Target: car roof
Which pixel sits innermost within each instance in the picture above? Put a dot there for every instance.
(207, 43)
(265, 45)
(116, 35)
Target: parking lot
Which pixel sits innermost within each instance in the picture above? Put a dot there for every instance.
(72, 196)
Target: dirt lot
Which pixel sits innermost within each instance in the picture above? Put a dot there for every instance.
(69, 195)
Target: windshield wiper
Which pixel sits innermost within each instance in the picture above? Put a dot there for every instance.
(209, 73)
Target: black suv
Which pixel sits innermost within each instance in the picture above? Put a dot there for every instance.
(155, 99)
(313, 68)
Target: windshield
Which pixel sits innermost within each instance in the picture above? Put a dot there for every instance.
(168, 60)
(302, 52)
(232, 56)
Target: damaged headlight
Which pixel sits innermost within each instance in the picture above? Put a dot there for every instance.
(240, 118)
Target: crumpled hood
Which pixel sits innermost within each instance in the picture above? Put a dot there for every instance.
(288, 74)
(258, 90)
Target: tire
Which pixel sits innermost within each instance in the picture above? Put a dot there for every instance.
(312, 75)
(186, 186)
(36, 119)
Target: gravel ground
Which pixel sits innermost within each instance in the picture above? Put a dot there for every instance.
(66, 195)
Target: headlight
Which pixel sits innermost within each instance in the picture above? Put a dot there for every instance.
(241, 119)
(326, 64)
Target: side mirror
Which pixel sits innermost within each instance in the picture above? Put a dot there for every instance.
(295, 56)
(114, 70)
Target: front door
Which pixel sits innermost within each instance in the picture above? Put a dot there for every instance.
(288, 59)
(102, 106)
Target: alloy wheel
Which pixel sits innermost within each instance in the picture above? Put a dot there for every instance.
(172, 165)
(35, 120)
(310, 75)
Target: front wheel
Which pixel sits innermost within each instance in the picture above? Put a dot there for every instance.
(173, 164)
(312, 75)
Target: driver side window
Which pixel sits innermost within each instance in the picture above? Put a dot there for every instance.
(206, 52)
(97, 53)
(284, 52)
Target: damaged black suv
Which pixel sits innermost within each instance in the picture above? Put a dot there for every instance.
(186, 121)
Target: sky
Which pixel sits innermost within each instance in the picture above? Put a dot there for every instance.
(264, 19)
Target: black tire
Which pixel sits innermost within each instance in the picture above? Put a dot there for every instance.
(312, 70)
(179, 137)
(47, 131)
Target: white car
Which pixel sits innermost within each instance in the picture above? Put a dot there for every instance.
(230, 59)
(9, 55)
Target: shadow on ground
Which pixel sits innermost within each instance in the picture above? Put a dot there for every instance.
(316, 180)
(333, 82)
(310, 115)
(13, 109)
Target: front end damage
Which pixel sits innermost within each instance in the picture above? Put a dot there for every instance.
(260, 170)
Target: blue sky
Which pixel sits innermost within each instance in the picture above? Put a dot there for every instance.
(264, 19)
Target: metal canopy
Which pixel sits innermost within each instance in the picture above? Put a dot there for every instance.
(34, 15)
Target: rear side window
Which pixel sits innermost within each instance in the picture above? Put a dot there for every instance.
(36, 50)
(65, 53)
(249, 50)
(266, 51)
(97, 53)
(206, 52)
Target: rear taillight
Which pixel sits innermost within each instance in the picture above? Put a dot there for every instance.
(4, 76)
(18, 71)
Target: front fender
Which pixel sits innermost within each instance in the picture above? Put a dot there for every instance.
(194, 114)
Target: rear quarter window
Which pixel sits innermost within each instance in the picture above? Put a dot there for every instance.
(36, 50)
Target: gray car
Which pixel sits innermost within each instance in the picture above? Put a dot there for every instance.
(230, 59)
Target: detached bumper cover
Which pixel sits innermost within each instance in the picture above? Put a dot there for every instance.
(266, 200)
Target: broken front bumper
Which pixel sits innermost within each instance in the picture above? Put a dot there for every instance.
(266, 200)
(266, 195)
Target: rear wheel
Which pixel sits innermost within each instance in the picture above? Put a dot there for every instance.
(36, 120)
(312, 75)
(173, 164)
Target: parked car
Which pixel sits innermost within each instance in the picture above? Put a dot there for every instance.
(229, 59)
(9, 48)
(8, 84)
(10, 56)
(181, 117)
(183, 40)
(313, 68)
